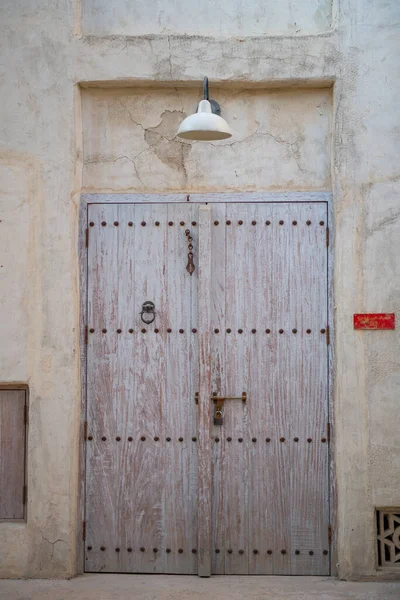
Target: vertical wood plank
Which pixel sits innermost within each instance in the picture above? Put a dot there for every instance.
(261, 455)
(274, 487)
(238, 320)
(83, 287)
(101, 456)
(281, 386)
(333, 517)
(12, 454)
(180, 410)
(309, 399)
(125, 388)
(218, 385)
(149, 395)
(204, 412)
(194, 383)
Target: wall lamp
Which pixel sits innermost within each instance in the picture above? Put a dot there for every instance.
(206, 124)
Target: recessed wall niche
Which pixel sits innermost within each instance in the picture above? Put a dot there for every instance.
(281, 141)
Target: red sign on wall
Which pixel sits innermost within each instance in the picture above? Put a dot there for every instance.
(374, 321)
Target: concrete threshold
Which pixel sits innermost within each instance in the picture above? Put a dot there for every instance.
(183, 587)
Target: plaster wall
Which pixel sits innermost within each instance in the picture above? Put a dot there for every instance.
(367, 273)
(206, 17)
(47, 50)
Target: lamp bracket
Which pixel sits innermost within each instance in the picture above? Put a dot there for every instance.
(215, 107)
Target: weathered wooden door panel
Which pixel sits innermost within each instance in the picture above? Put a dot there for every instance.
(12, 454)
(268, 304)
(141, 494)
(269, 311)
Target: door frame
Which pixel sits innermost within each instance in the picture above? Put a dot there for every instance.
(226, 197)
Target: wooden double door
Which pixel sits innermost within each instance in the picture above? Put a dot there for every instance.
(207, 446)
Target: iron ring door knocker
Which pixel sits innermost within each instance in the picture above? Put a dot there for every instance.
(148, 313)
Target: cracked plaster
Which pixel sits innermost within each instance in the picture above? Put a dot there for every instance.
(52, 544)
(131, 144)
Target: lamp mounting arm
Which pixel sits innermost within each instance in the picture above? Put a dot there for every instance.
(215, 107)
(205, 89)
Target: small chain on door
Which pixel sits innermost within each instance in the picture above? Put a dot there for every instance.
(190, 266)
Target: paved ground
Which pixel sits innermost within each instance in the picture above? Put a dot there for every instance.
(172, 587)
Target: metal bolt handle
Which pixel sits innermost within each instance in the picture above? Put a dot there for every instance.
(217, 399)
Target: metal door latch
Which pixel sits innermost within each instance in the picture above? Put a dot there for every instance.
(219, 405)
(218, 399)
(222, 399)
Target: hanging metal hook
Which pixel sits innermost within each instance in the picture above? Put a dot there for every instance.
(190, 266)
(148, 308)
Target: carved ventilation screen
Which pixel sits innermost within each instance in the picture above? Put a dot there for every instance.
(388, 524)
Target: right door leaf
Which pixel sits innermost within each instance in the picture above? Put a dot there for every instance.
(271, 454)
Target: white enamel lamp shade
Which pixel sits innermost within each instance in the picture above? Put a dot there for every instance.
(204, 125)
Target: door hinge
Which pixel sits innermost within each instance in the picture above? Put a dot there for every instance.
(328, 335)
(86, 335)
(328, 432)
(26, 414)
(24, 494)
(84, 530)
(85, 428)
(327, 237)
(87, 237)
(329, 534)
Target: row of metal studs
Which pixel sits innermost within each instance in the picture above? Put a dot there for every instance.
(282, 439)
(311, 552)
(155, 550)
(216, 223)
(143, 223)
(169, 330)
(217, 550)
(194, 439)
(142, 439)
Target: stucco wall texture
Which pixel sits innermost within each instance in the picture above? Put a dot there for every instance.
(92, 94)
(281, 141)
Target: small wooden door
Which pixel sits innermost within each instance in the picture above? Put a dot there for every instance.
(167, 490)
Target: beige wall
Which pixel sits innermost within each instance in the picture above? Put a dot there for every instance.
(367, 273)
(206, 17)
(44, 57)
